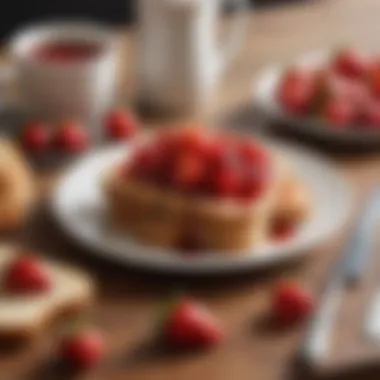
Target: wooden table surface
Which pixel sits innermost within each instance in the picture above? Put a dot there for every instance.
(128, 298)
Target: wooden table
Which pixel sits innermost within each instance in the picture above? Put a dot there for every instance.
(128, 298)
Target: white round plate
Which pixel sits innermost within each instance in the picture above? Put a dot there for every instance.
(264, 100)
(79, 207)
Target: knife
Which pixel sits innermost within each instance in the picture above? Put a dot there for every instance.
(348, 270)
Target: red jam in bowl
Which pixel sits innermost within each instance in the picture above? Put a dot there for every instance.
(65, 51)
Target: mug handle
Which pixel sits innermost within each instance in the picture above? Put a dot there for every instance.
(237, 32)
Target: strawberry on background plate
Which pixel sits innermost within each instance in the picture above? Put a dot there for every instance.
(374, 79)
(296, 91)
(370, 115)
(189, 325)
(82, 349)
(291, 303)
(121, 125)
(339, 112)
(28, 274)
(72, 137)
(35, 137)
(350, 63)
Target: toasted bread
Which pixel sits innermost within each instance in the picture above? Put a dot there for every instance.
(26, 315)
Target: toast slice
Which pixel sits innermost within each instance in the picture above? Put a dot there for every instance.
(25, 316)
(165, 216)
(162, 217)
(145, 212)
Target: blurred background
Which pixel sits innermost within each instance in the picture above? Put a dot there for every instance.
(19, 12)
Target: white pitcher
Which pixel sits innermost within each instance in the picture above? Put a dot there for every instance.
(181, 57)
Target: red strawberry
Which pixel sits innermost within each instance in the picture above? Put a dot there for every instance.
(227, 182)
(121, 125)
(188, 172)
(291, 303)
(83, 349)
(27, 274)
(35, 137)
(338, 112)
(371, 115)
(72, 138)
(190, 325)
(295, 97)
(374, 80)
(192, 140)
(254, 184)
(296, 92)
(350, 63)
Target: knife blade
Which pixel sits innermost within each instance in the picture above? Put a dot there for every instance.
(348, 270)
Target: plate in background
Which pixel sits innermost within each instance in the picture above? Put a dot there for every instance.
(264, 90)
(80, 209)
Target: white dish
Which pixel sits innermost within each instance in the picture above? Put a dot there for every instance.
(264, 100)
(80, 209)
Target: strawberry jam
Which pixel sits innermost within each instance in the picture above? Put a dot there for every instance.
(195, 162)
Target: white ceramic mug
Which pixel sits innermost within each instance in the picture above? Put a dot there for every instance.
(181, 58)
(54, 90)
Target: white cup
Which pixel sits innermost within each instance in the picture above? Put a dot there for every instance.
(55, 90)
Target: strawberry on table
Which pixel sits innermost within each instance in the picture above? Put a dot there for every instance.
(28, 274)
(83, 349)
(35, 137)
(72, 138)
(189, 325)
(121, 125)
(291, 303)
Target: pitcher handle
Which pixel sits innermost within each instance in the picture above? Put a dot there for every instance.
(237, 32)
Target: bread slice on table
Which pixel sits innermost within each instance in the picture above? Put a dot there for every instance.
(24, 316)
(17, 190)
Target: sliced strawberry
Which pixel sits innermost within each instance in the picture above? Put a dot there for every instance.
(121, 125)
(35, 137)
(28, 274)
(190, 325)
(291, 303)
(83, 349)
